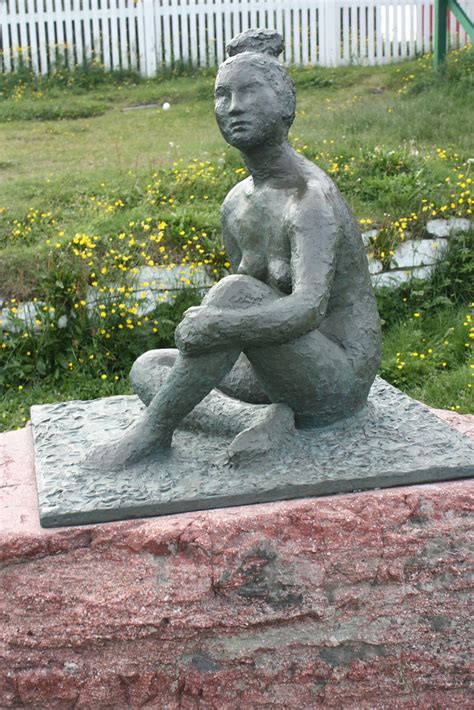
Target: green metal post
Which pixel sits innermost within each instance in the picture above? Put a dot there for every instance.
(440, 32)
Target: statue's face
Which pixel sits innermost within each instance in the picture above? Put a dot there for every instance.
(247, 107)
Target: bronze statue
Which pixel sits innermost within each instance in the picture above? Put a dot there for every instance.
(296, 325)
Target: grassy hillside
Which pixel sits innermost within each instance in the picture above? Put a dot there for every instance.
(96, 180)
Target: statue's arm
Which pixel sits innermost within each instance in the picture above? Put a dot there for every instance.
(232, 250)
(231, 245)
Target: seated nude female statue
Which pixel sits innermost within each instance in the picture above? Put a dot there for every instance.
(295, 326)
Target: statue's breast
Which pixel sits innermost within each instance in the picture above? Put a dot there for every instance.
(257, 223)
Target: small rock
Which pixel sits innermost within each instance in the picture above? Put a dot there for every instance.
(375, 266)
(158, 284)
(419, 252)
(368, 235)
(395, 277)
(446, 227)
(25, 315)
(390, 278)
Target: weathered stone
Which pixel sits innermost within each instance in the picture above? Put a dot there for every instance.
(368, 235)
(158, 284)
(446, 227)
(395, 277)
(359, 601)
(24, 316)
(393, 442)
(375, 266)
(418, 252)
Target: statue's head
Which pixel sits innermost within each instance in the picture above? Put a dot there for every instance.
(254, 95)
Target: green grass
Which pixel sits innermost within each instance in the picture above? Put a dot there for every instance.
(78, 164)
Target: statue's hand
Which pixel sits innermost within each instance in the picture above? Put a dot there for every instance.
(197, 332)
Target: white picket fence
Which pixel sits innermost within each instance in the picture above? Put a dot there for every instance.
(147, 34)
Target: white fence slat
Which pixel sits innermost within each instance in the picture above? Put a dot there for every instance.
(174, 28)
(396, 30)
(113, 15)
(404, 9)
(78, 30)
(202, 42)
(145, 34)
(388, 32)
(346, 52)
(193, 36)
(244, 16)
(106, 44)
(93, 30)
(419, 26)
(296, 35)
(279, 18)
(228, 24)
(370, 32)
(370, 24)
(132, 35)
(428, 18)
(50, 32)
(219, 49)
(58, 38)
(253, 11)
(22, 34)
(185, 33)
(165, 23)
(13, 39)
(42, 44)
(304, 36)
(33, 51)
(65, 32)
(145, 48)
(363, 32)
(354, 31)
(5, 58)
(413, 28)
(122, 12)
(288, 54)
(313, 35)
(408, 10)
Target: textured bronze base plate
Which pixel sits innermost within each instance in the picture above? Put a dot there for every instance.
(394, 441)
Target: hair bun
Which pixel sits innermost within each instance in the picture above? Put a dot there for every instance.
(261, 41)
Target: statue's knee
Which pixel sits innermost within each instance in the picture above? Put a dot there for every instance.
(237, 290)
(150, 360)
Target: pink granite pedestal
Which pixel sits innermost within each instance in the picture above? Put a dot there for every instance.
(356, 601)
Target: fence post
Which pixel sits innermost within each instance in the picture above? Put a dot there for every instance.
(440, 32)
(331, 31)
(148, 51)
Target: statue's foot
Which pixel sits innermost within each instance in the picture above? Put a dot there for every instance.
(272, 431)
(138, 441)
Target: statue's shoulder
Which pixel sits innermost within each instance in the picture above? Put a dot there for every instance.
(319, 182)
(234, 197)
(317, 191)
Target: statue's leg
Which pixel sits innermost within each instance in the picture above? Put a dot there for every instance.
(190, 380)
(263, 424)
(151, 369)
